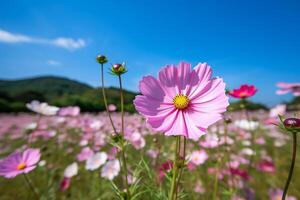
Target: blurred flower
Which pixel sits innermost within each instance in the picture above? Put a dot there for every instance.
(211, 140)
(111, 169)
(183, 101)
(69, 111)
(285, 88)
(198, 157)
(18, 163)
(278, 110)
(42, 108)
(199, 187)
(164, 168)
(95, 161)
(239, 172)
(42, 163)
(85, 153)
(65, 184)
(246, 125)
(71, 170)
(247, 151)
(266, 166)
(136, 139)
(112, 107)
(31, 126)
(243, 92)
(276, 194)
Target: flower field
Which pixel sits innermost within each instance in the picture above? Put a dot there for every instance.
(183, 144)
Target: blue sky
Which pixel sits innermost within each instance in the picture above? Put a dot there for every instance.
(254, 42)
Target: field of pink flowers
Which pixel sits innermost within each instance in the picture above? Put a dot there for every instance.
(182, 145)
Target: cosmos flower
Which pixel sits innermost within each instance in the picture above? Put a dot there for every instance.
(95, 161)
(69, 111)
(182, 101)
(112, 107)
(65, 184)
(276, 194)
(266, 166)
(85, 153)
(245, 91)
(19, 162)
(285, 88)
(71, 170)
(42, 108)
(278, 110)
(246, 125)
(164, 168)
(198, 157)
(111, 169)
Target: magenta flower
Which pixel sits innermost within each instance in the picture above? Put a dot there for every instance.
(182, 101)
(18, 163)
(285, 88)
(245, 91)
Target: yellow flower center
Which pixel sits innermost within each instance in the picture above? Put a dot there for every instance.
(21, 166)
(181, 101)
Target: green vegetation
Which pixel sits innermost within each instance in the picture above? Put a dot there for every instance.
(57, 91)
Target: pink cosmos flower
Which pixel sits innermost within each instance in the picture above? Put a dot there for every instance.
(69, 111)
(245, 91)
(164, 168)
(112, 107)
(285, 88)
(65, 184)
(198, 157)
(85, 154)
(266, 166)
(182, 101)
(18, 163)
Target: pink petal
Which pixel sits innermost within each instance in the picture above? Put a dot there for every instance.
(168, 80)
(150, 87)
(31, 156)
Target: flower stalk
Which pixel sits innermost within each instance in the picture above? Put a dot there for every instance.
(178, 165)
(123, 147)
(31, 186)
(286, 187)
(105, 100)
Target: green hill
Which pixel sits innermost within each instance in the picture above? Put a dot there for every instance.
(57, 91)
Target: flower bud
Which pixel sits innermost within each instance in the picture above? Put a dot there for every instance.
(101, 59)
(118, 69)
(292, 123)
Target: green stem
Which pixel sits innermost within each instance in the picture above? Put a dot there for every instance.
(123, 157)
(216, 181)
(173, 190)
(181, 167)
(286, 187)
(31, 186)
(105, 100)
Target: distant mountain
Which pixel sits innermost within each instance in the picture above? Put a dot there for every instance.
(57, 91)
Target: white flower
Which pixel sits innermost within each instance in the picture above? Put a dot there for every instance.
(246, 125)
(198, 157)
(111, 169)
(278, 110)
(31, 126)
(95, 161)
(42, 108)
(71, 170)
(42, 163)
(247, 151)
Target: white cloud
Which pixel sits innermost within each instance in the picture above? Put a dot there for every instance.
(53, 62)
(66, 43)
